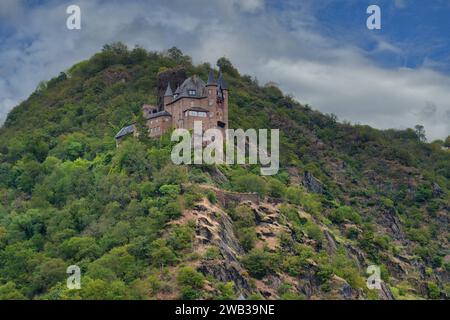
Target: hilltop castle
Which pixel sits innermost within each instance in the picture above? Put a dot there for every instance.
(192, 101)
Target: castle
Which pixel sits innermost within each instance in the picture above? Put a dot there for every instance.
(192, 101)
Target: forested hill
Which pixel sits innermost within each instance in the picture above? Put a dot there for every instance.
(346, 197)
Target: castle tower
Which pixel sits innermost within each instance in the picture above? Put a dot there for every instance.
(222, 101)
(168, 96)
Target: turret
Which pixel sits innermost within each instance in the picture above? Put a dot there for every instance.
(221, 82)
(168, 96)
(177, 92)
(222, 89)
(222, 101)
(211, 80)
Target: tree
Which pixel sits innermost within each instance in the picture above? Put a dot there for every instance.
(131, 157)
(226, 66)
(447, 142)
(259, 263)
(177, 55)
(191, 283)
(78, 248)
(420, 132)
(276, 188)
(9, 291)
(250, 183)
(160, 254)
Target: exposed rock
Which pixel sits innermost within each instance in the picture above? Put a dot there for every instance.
(214, 227)
(358, 254)
(111, 77)
(313, 184)
(385, 292)
(331, 247)
(229, 198)
(437, 190)
(340, 289)
(294, 177)
(217, 175)
(175, 76)
(226, 272)
(391, 220)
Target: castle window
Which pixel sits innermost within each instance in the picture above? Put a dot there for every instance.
(202, 114)
(193, 113)
(192, 92)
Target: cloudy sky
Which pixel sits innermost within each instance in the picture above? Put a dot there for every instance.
(321, 52)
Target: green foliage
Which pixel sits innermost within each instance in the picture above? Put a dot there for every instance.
(226, 291)
(250, 183)
(244, 227)
(69, 196)
(79, 248)
(9, 291)
(276, 188)
(212, 253)
(191, 283)
(345, 213)
(433, 290)
(211, 195)
(314, 232)
(259, 263)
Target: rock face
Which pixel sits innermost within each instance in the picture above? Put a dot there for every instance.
(175, 77)
(385, 292)
(311, 183)
(391, 221)
(214, 228)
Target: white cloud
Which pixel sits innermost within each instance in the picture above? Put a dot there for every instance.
(250, 5)
(400, 4)
(284, 47)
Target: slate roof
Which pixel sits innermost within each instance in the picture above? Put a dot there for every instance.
(158, 114)
(124, 131)
(211, 80)
(168, 91)
(221, 82)
(197, 109)
(192, 83)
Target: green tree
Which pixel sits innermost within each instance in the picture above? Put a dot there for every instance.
(191, 283)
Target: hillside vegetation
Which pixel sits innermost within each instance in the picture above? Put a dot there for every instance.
(346, 196)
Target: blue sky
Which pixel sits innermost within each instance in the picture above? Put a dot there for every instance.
(319, 51)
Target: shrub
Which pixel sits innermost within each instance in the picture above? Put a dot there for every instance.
(314, 232)
(259, 263)
(352, 233)
(190, 282)
(276, 188)
(433, 290)
(250, 183)
(344, 213)
(212, 253)
(293, 195)
(170, 190)
(211, 195)
(226, 291)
